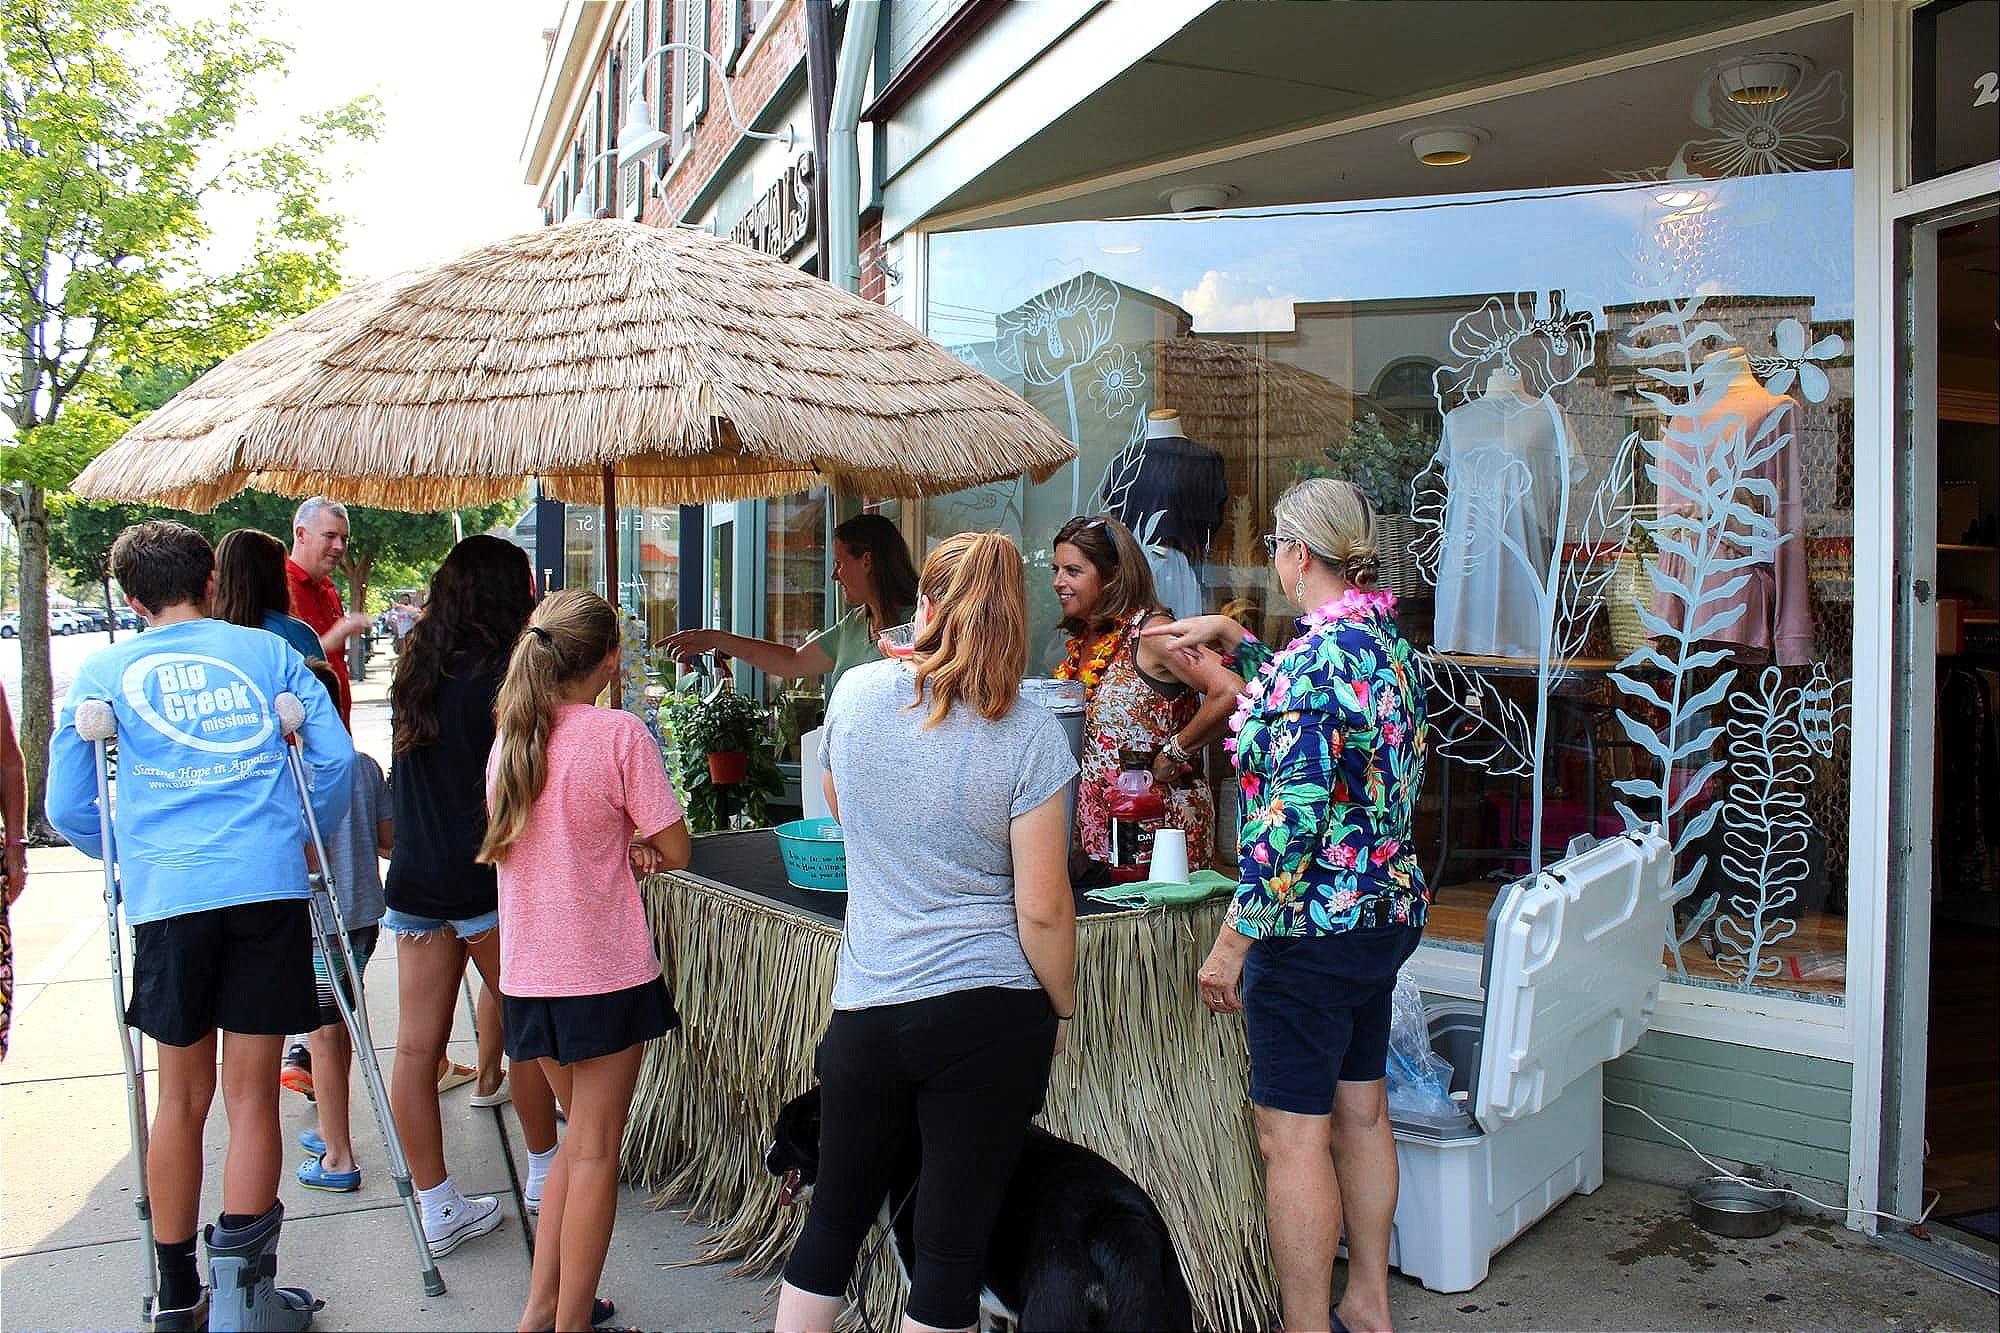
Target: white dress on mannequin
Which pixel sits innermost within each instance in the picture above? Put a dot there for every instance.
(1504, 483)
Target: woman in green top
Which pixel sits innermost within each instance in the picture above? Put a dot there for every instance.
(872, 565)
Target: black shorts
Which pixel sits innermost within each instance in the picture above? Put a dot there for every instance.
(1316, 1012)
(246, 969)
(569, 1028)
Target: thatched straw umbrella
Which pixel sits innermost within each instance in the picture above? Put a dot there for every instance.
(697, 368)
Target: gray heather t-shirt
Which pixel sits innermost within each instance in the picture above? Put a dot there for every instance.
(930, 869)
(350, 848)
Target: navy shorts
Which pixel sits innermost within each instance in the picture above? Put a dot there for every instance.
(1316, 1011)
(246, 969)
(569, 1028)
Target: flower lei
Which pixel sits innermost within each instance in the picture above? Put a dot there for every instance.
(1089, 667)
(1350, 605)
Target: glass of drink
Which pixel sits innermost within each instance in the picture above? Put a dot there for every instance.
(898, 640)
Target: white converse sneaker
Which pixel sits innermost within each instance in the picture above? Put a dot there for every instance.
(531, 1196)
(456, 1223)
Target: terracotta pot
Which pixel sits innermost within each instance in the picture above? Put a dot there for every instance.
(726, 768)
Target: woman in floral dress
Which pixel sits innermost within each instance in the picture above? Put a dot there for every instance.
(1138, 695)
(1329, 746)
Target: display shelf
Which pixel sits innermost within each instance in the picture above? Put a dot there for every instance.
(1959, 548)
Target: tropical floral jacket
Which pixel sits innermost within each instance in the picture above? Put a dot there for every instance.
(1329, 745)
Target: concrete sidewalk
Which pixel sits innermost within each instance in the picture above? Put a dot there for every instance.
(1624, 1258)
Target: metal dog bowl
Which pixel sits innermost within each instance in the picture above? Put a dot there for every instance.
(1730, 1208)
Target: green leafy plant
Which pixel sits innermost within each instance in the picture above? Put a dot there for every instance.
(1381, 464)
(723, 722)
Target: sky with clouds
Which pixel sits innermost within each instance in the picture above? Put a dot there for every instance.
(1238, 273)
(457, 80)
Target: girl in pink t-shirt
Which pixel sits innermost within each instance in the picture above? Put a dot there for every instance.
(579, 799)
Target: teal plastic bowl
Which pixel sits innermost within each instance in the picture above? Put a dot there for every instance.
(815, 854)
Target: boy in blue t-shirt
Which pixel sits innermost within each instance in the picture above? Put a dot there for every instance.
(210, 849)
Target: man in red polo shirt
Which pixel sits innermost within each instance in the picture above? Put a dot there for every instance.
(319, 540)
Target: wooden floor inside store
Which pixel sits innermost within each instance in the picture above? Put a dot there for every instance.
(1962, 1101)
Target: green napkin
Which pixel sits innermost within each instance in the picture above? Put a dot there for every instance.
(1201, 885)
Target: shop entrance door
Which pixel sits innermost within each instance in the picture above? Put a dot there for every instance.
(1943, 1126)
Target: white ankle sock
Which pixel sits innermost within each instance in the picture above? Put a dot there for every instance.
(438, 1198)
(538, 1169)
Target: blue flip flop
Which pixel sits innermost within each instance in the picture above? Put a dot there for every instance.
(310, 1140)
(313, 1175)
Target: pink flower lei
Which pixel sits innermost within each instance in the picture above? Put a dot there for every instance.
(1270, 680)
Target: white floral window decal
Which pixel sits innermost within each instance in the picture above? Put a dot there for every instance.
(1803, 132)
(1546, 352)
(1116, 378)
(1058, 329)
(1795, 361)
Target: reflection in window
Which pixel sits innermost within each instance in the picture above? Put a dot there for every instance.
(1552, 376)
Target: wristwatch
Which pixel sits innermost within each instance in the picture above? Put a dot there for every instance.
(1172, 750)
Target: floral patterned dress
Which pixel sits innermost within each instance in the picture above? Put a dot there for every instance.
(1329, 745)
(1125, 710)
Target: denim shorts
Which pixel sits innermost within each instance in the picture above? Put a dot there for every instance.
(466, 928)
(1316, 1012)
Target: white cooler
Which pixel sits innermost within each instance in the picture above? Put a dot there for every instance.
(1573, 968)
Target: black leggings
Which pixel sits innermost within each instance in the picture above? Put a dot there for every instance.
(956, 1079)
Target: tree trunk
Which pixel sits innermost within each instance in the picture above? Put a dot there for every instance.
(36, 710)
(110, 612)
(357, 566)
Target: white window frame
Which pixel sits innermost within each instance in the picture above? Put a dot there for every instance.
(691, 66)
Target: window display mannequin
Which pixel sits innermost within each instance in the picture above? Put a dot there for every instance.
(1777, 616)
(1504, 480)
(1182, 482)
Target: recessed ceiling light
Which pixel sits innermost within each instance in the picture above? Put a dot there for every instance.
(1758, 80)
(1199, 198)
(1445, 145)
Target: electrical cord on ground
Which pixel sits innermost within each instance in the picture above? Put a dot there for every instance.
(1727, 1174)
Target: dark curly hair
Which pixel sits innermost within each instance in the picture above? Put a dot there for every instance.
(480, 598)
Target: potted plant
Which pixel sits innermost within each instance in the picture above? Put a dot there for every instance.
(1383, 465)
(728, 756)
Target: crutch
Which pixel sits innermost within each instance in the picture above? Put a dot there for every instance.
(327, 924)
(97, 723)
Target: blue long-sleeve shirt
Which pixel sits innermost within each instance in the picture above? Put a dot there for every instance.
(205, 813)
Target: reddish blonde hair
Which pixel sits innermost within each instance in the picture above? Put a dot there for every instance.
(975, 647)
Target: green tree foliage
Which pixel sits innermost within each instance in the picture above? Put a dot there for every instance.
(113, 116)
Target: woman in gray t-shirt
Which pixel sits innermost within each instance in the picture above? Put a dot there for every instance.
(958, 962)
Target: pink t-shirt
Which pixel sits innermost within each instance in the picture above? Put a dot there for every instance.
(571, 922)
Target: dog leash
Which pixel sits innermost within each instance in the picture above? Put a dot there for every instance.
(861, 1282)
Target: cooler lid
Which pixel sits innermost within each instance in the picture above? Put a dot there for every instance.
(1574, 960)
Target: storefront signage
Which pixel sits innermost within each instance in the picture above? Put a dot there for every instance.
(1957, 94)
(782, 220)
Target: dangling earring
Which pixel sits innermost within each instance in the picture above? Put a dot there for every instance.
(1299, 589)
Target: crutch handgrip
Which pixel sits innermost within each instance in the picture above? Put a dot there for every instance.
(95, 721)
(291, 713)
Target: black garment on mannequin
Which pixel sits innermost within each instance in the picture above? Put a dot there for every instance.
(1184, 483)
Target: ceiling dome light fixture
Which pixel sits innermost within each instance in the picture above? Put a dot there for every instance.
(1758, 80)
(1446, 145)
(1199, 198)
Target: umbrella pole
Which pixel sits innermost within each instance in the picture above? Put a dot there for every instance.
(611, 568)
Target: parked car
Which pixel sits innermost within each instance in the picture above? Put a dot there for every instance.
(93, 617)
(10, 626)
(65, 621)
(130, 619)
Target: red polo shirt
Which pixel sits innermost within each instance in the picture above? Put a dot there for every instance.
(317, 602)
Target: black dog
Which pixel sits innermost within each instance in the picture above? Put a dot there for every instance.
(1077, 1245)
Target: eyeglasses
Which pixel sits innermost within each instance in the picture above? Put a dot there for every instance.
(1273, 540)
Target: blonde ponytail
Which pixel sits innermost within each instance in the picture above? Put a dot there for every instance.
(570, 634)
(975, 646)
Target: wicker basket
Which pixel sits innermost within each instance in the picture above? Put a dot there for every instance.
(1629, 588)
(1395, 543)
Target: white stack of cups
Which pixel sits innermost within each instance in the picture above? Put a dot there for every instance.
(1170, 856)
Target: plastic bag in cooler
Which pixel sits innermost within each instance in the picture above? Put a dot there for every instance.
(1419, 1081)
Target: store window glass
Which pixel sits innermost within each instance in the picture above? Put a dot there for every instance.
(1955, 86)
(796, 570)
(648, 559)
(1599, 387)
